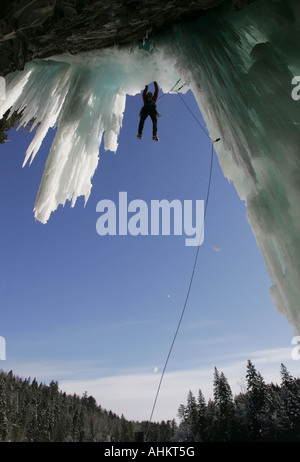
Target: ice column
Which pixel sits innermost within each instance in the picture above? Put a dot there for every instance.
(241, 66)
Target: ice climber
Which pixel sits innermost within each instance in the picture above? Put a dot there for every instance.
(149, 109)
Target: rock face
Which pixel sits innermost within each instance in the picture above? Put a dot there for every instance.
(43, 28)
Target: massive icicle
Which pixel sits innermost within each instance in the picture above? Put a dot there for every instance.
(84, 96)
(240, 67)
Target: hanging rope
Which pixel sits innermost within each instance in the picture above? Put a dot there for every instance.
(164, 94)
(195, 261)
(191, 112)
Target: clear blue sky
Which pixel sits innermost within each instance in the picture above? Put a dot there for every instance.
(99, 313)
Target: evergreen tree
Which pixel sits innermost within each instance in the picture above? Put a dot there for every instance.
(192, 417)
(256, 405)
(225, 407)
(201, 418)
(240, 430)
(166, 431)
(290, 393)
(188, 415)
(183, 430)
(276, 419)
(127, 432)
(211, 424)
(4, 423)
(181, 413)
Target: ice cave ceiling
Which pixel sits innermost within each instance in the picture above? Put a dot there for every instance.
(42, 28)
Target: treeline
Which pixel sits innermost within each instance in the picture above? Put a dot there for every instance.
(262, 413)
(40, 413)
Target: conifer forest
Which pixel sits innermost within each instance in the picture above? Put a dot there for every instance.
(35, 412)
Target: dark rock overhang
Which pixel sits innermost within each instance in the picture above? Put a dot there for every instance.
(43, 28)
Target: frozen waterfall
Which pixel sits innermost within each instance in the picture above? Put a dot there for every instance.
(240, 67)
